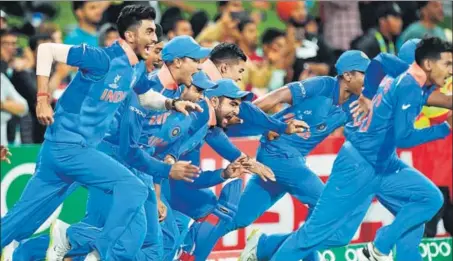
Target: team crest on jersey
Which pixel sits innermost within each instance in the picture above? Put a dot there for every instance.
(115, 85)
(175, 132)
(321, 127)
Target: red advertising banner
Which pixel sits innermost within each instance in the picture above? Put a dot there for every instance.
(433, 159)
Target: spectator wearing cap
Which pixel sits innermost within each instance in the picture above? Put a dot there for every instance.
(341, 23)
(108, 34)
(381, 39)
(431, 13)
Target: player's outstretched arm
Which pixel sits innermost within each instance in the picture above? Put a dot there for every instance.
(406, 135)
(274, 98)
(438, 99)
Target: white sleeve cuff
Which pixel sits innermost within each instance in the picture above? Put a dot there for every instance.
(152, 100)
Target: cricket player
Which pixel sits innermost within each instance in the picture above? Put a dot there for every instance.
(121, 143)
(356, 177)
(82, 117)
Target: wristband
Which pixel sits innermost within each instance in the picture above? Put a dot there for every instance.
(40, 94)
(173, 103)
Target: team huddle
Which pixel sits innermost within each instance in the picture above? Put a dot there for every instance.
(132, 137)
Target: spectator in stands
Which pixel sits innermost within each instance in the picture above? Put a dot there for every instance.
(180, 26)
(11, 104)
(53, 30)
(431, 13)
(108, 34)
(381, 39)
(225, 27)
(88, 15)
(341, 24)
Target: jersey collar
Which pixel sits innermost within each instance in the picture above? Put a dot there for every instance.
(417, 72)
(131, 56)
(166, 79)
(211, 70)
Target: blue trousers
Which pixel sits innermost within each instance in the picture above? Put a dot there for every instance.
(293, 177)
(59, 165)
(343, 204)
(82, 234)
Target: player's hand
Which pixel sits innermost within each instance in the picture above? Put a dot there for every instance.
(162, 209)
(360, 108)
(261, 170)
(271, 135)
(296, 126)
(186, 106)
(44, 111)
(5, 154)
(183, 170)
(235, 120)
(169, 159)
(236, 169)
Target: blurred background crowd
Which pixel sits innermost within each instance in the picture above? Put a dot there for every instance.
(284, 41)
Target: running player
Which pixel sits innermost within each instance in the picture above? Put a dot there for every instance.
(82, 117)
(356, 177)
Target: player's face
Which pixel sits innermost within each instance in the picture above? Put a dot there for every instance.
(154, 60)
(188, 67)
(440, 69)
(193, 94)
(233, 70)
(225, 110)
(143, 38)
(354, 81)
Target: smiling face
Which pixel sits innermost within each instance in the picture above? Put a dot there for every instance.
(192, 93)
(142, 38)
(225, 110)
(186, 68)
(438, 71)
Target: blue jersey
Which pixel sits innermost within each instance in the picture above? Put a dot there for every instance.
(84, 113)
(130, 120)
(315, 101)
(390, 122)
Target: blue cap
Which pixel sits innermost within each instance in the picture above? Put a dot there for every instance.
(183, 46)
(352, 61)
(201, 80)
(229, 89)
(407, 51)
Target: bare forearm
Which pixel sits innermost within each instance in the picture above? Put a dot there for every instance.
(13, 107)
(440, 100)
(272, 99)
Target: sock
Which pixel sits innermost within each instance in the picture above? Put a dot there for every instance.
(268, 245)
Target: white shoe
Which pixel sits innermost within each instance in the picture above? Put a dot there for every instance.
(249, 252)
(368, 253)
(59, 244)
(93, 256)
(8, 251)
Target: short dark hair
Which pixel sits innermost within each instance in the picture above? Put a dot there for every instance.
(243, 23)
(33, 41)
(431, 48)
(4, 32)
(176, 21)
(76, 5)
(132, 15)
(271, 34)
(226, 51)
